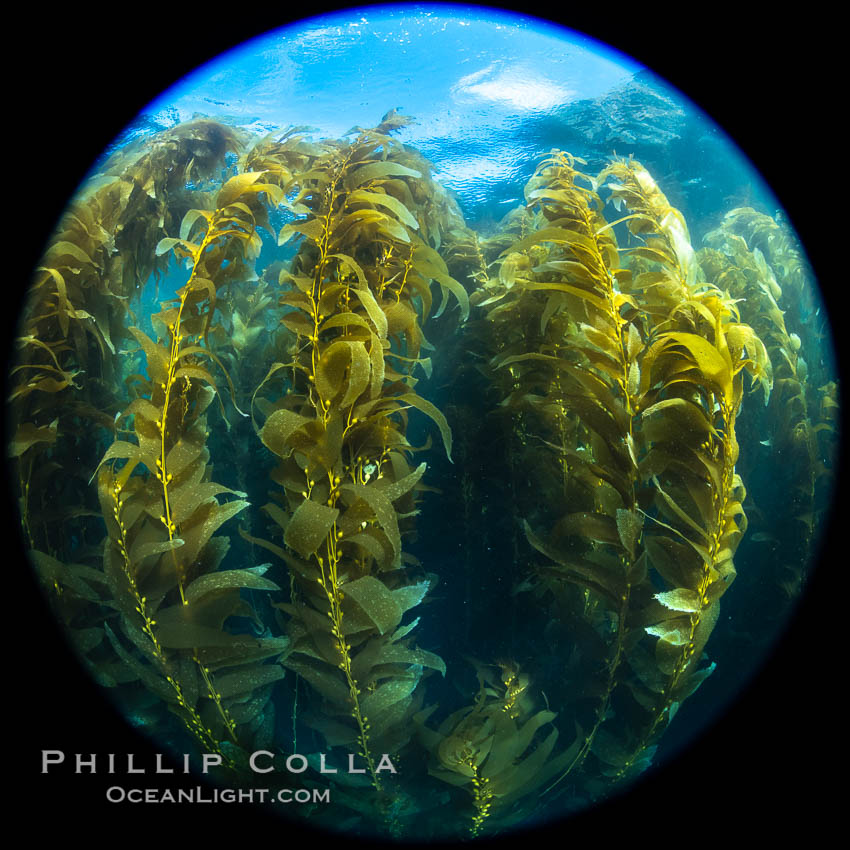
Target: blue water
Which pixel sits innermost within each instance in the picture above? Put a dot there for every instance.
(491, 92)
(475, 83)
(463, 77)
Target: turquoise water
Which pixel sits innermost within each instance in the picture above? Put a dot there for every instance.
(491, 93)
(475, 84)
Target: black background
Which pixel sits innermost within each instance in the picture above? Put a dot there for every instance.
(769, 78)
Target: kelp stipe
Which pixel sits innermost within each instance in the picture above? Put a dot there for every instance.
(583, 358)
(692, 383)
(357, 291)
(487, 748)
(176, 551)
(775, 298)
(639, 369)
(68, 378)
(76, 316)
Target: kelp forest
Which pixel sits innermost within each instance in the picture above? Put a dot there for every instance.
(287, 436)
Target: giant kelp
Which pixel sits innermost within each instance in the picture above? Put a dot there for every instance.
(162, 559)
(489, 748)
(74, 319)
(68, 382)
(633, 367)
(794, 423)
(277, 405)
(360, 281)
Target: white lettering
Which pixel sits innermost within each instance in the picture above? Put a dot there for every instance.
(253, 761)
(292, 769)
(385, 764)
(210, 760)
(303, 795)
(51, 757)
(90, 763)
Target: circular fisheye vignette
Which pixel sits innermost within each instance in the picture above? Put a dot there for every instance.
(503, 682)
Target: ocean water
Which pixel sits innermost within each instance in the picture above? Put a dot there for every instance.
(559, 553)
